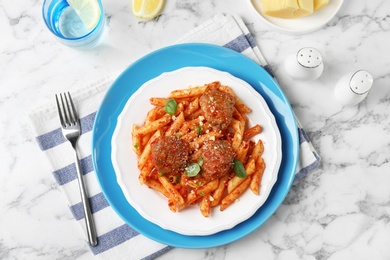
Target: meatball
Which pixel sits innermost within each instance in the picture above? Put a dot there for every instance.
(169, 154)
(217, 159)
(218, 108)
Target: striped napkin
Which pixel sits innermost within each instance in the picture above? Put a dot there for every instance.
(117, 240)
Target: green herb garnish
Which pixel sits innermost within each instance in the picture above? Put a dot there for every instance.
(200, 161)
(170, 107)
(198, 129)
(192, 170)
(239, 169)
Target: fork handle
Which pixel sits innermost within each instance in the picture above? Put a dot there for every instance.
(91, 229)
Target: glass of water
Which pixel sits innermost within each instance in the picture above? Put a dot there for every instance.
(75, 23)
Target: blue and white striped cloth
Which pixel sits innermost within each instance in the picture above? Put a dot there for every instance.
(116, 239)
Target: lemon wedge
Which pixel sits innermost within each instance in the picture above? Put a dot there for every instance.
(87, 10)
(147, 9)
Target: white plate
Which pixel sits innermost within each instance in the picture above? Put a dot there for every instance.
(302, 25)
(153, 206)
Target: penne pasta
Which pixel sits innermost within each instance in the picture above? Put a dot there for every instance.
(187, 121)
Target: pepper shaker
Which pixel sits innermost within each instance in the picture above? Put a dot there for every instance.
(306, 64)
(353, 87)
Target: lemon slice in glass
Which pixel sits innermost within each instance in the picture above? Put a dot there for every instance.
(147, 9)
(87, 10)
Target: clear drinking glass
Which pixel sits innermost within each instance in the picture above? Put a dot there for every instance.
(68, 27)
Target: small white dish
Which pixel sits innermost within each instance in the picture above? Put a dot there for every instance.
(301, 25)
(153, 206)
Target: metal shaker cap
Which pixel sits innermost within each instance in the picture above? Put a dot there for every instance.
(309, 57)
(361, 82)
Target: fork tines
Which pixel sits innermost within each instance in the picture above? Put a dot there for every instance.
(66, 110)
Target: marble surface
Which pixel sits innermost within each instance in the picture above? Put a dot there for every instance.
(341, 210)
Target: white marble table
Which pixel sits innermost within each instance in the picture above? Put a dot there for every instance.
(340, 211)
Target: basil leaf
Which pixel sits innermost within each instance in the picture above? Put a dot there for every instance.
(239, 169)
(192, 170)
(170, 107)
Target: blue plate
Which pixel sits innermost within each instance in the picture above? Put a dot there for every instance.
(170, 59)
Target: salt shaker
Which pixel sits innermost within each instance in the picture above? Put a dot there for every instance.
(306, 64)
(353, 87)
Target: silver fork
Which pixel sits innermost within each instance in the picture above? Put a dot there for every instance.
(70, 125)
